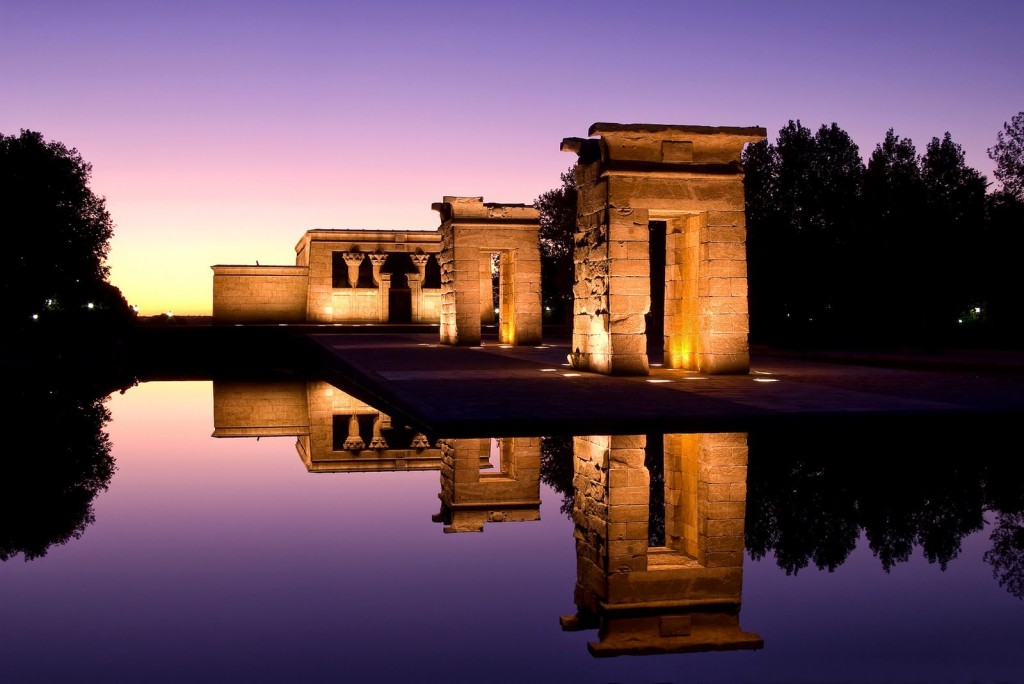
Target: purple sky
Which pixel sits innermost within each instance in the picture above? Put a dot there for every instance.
(220, 131)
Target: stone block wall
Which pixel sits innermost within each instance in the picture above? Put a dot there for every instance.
(259, 294)
(690, 178)
(705, 497)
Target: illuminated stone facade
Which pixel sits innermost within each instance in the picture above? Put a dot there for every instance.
(471, 233)
(647, 190)
(340, 276)
(684, 593)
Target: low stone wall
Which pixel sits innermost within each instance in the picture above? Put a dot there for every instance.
(259, 294)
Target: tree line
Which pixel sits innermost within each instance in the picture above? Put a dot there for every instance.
(908, 248)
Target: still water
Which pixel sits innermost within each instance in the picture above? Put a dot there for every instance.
(214, 532)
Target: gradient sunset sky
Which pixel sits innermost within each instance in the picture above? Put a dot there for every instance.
(220, 131)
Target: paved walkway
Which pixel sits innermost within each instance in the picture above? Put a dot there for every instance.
(494, 390)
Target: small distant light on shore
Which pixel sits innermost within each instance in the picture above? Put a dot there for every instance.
(547, 308)
(959, 320)
(90, 305)
(135, 308)
(170, 314)
(977, 309)
(496, 310)
(35, 317)
(282, 325)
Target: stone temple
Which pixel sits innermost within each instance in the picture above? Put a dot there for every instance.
(660, 260)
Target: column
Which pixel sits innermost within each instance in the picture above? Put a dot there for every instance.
(352, 261)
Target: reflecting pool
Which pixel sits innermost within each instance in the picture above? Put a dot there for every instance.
(212, 531)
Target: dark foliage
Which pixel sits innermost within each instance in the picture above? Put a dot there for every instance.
(1008, 154)
(54, 267)
(52, 475)
(893, 253)
(812, 494)
(557, 226)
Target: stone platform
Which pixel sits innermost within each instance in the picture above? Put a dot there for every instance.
(496, 390)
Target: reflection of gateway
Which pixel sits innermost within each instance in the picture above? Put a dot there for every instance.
(470, 498)
(685, 595)
(336, 432)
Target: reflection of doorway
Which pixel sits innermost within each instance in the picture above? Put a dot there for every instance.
(655, 318)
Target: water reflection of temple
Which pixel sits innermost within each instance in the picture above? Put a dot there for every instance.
(335, 431)
(471, 497)
(676, 592)
(482, 480)
(659, 519)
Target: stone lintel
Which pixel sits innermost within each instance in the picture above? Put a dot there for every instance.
(373, 240)
(474, 210)
(652, 169)
(716, 147)
(246, 270)
(676, 131)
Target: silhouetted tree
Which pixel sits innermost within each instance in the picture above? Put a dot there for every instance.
(557, 226)
(893, 280)
(1003, 307)
(954, 215)
(58, 234)
(1008, 154)
(803, 211)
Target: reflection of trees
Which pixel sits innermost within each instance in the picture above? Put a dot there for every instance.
(556, 468)
(57, 461)
(798, 509)
(1007, 553)
(811, 494)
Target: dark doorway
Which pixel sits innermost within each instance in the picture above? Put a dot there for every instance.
(655, 319)
(399, 300)
(432, 275)
(654, 461)
(399, 265)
